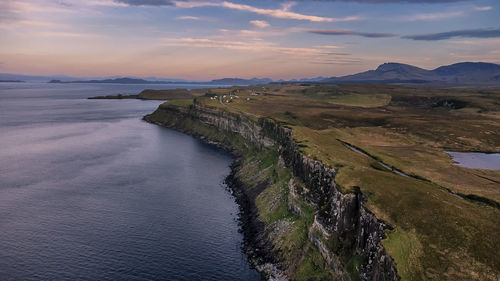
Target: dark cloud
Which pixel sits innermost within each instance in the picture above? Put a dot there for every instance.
(147, 2)
(65, 4)
(350, 32)
(473, 33)
(388, 1)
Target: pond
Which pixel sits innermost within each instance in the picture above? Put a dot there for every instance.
(476, 160)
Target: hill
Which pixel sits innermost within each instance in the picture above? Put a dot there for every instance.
(240, 81)
(171, 94)
(128, 80)
(124, 80)
(465, 73)
(11, 81)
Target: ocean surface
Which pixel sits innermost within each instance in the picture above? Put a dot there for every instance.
(88, 191)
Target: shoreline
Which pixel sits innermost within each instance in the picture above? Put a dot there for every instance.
(255, 245)
(314, 217)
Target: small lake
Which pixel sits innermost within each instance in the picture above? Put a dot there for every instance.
(476, 160)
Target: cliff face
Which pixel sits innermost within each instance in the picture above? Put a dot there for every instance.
(344, 231)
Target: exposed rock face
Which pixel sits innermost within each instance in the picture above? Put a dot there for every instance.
(232, 122)
(341, 217)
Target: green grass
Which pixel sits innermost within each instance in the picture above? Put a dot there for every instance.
(376, 165)
(272, 202)
(173, 94)
(313, 267)
(405, 247)
(362, 100)
(268, 158)
(353, 264)
(179, 102)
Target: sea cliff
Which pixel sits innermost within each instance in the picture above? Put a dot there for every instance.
(297, 223)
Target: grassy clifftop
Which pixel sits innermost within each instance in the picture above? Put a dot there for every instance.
(436, 235)
(174, 94)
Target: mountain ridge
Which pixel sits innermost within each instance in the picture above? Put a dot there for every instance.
(462, 73)
(457, 74)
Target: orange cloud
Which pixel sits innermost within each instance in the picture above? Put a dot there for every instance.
(260, 23)
(283, 13)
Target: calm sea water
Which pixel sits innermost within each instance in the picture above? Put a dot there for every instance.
(88, 191)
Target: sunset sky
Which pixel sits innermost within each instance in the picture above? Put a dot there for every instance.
(210, 39)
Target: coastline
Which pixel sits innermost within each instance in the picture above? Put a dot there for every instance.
(342, 239)
(255, 245)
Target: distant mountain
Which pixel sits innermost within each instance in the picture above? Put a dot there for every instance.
(11, 81)
(33, 78)
(313, 79)
(128, 80)
(240, 81)
(152, 78)
(125, 80)
(464, 73)
(69, 79)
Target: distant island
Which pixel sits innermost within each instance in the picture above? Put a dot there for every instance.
(11, 81)
(240, 81)
(172, 94)
(126, 80)
(113, 81)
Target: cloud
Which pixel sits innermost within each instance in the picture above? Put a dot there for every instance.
(188, 18)
(329, 47)
(173, 2)
(248, 46)
(15, 14)
(349, 32)
(483, 9)
(147, 2)
(283, 13)
(9, 12)
(473, 33)
(68, 34)
(260, 33)
(398, 1)
(29, 23)
(337, 61)
(259, 23)
(434, 16)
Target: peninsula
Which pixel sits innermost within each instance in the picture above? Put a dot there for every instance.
(352, 182)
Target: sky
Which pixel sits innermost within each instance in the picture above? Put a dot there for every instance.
(210, 39)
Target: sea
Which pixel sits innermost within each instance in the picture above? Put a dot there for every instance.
(89, 191)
